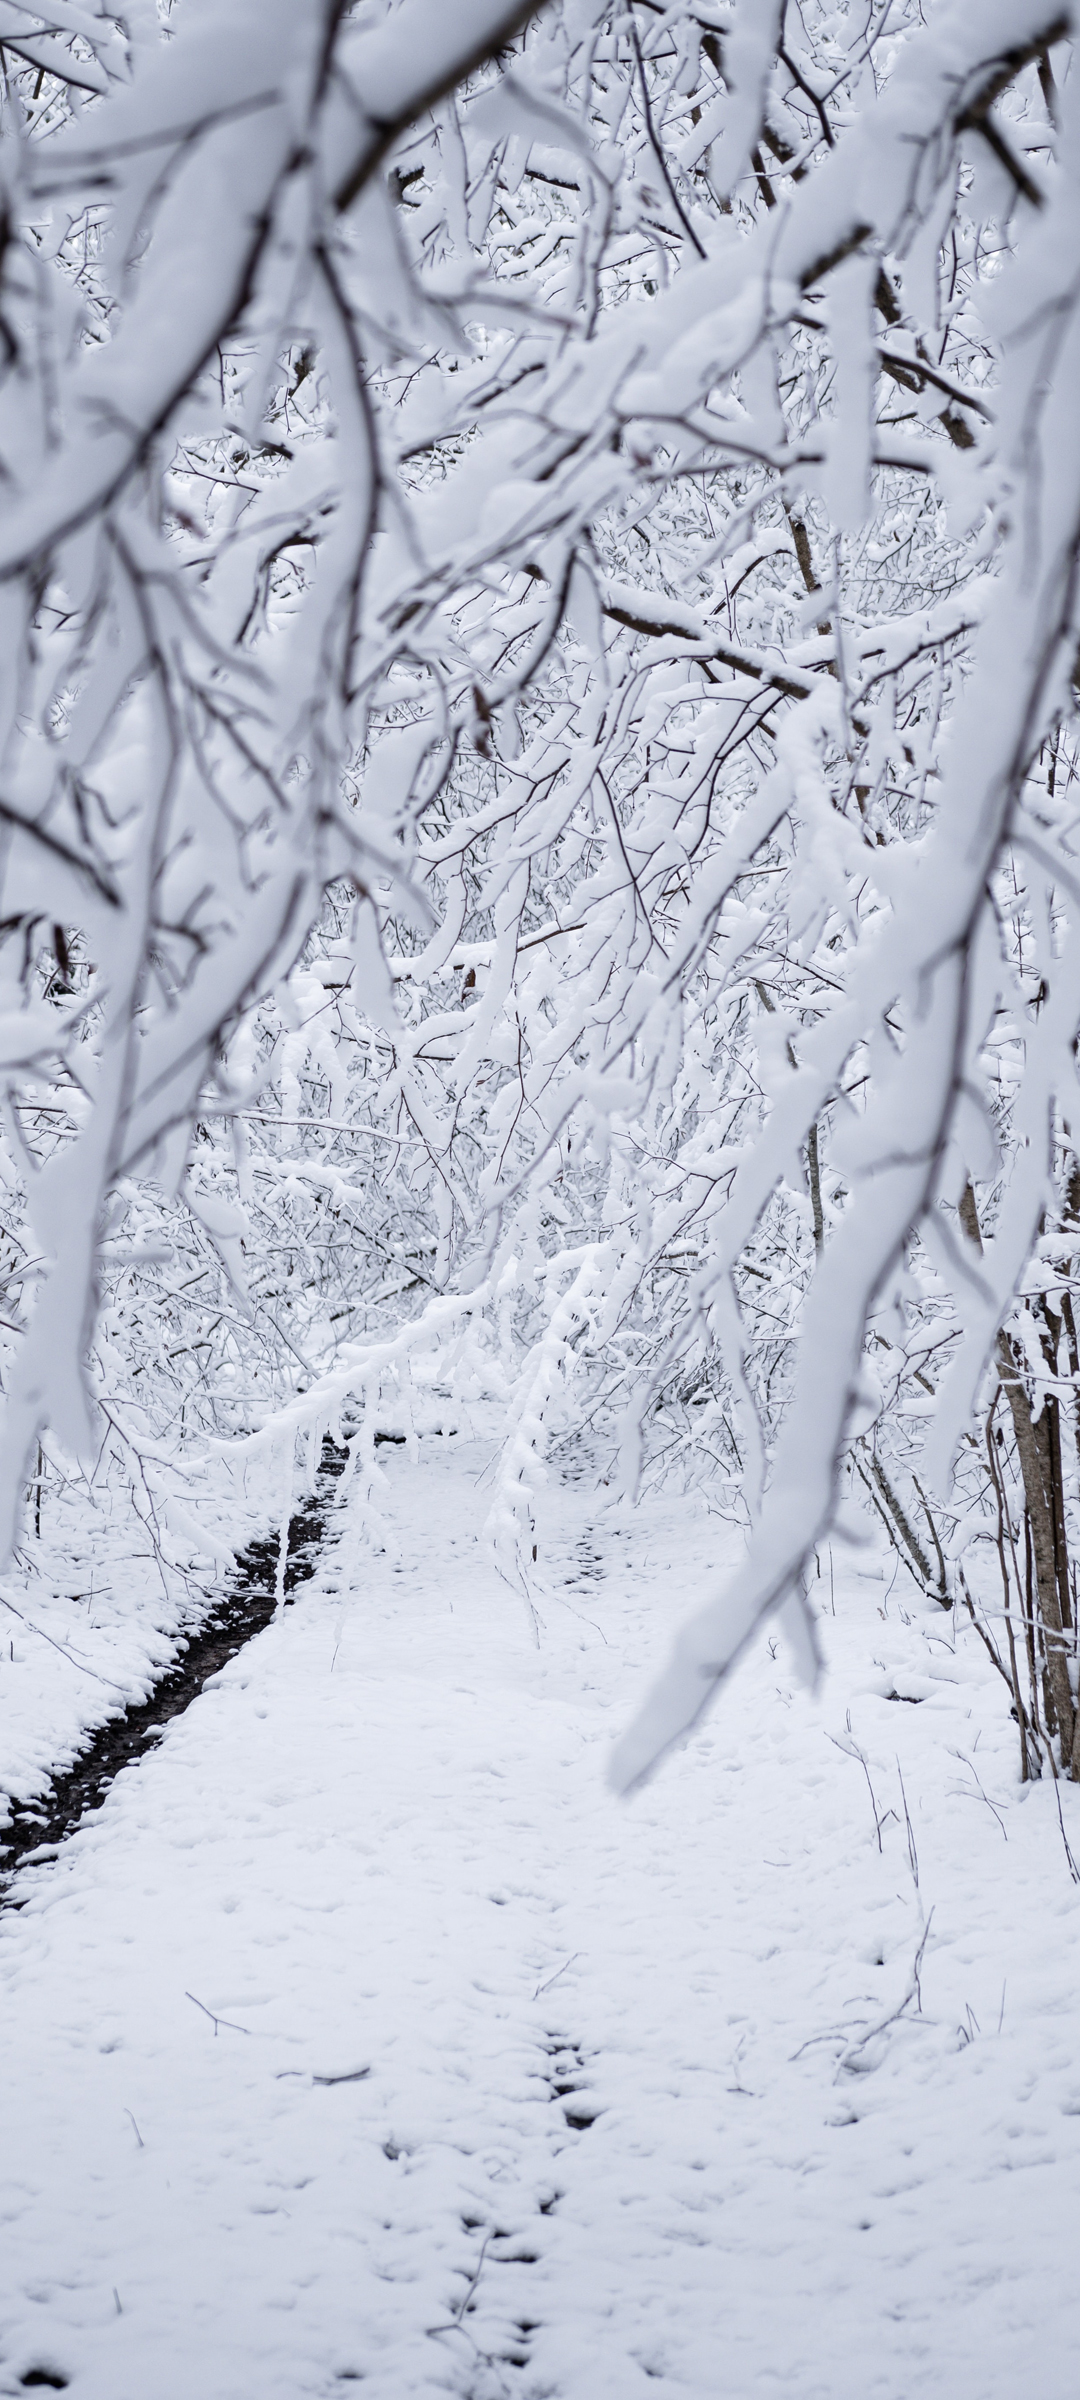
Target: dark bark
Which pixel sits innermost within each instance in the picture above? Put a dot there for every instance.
(1039, 1450)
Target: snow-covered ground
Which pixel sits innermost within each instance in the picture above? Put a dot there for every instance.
(364, 2038)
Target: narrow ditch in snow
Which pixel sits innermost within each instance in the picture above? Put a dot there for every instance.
(38, 1826)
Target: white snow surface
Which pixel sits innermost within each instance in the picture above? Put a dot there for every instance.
(363, 2038)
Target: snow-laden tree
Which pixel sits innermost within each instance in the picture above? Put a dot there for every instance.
(539, 584)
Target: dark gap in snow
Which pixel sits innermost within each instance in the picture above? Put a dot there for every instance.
(247, 1605)
(566, 2077)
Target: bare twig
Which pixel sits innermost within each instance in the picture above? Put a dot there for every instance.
(216, 2020)
(851, 1749)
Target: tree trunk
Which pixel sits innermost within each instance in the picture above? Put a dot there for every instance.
(1040, 1466)
(1033, 1445)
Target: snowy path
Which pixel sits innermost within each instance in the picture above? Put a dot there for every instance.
(521, 2103)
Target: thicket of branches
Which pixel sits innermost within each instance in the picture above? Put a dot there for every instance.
(539, 800)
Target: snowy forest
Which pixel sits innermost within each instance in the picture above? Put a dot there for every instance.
(539, 1198)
